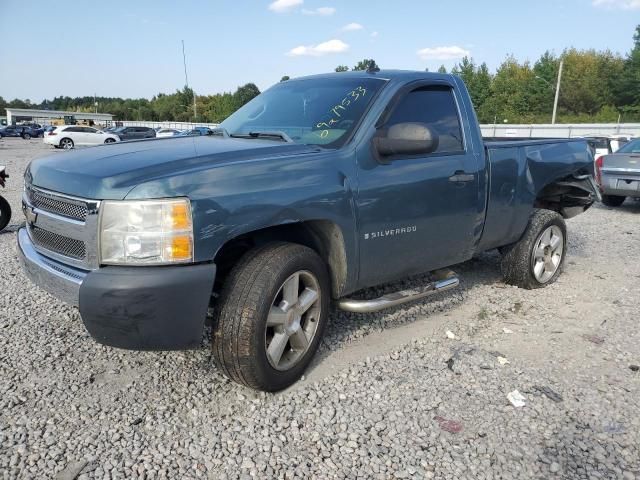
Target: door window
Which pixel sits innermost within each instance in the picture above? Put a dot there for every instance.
(435, 107)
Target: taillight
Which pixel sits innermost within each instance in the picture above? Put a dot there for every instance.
(599, 162)
(52, 133)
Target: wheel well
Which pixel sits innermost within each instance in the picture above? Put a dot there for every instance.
(568, 196)
(323, 236)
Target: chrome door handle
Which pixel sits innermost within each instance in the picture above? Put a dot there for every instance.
(461, 176)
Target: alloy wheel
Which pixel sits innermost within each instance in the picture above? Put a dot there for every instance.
(547, 254)
(293, 320)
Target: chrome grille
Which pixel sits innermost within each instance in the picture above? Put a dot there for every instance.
(59, 244)
(67, 208)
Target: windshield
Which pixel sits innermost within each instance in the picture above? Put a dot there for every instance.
(313, 112)
(632, 147)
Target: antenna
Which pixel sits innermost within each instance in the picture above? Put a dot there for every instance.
(186, 82)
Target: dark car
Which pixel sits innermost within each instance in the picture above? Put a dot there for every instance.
(135, 133)
(196, 132)
(202, 131)
(23, 131)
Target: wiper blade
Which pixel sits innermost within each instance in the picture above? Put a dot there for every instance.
(272, 134)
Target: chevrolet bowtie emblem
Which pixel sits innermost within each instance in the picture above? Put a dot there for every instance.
(30, 215)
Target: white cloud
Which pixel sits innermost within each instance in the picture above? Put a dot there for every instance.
(321, 11)
(325, 48)
(618, 4)
(443, 53)
(281, 6)
(352, 27)
(374, 34)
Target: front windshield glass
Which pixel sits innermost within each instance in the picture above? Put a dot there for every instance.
(632, 147)
(314, 111)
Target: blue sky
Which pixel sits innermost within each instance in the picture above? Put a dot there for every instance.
(133, 49)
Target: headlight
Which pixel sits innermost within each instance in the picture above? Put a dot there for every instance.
(149, 232)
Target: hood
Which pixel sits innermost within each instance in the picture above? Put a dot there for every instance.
(109, 172)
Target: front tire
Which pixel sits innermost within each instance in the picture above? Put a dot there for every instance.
(613, 200)
(271, 317)
(26, 136)
(109, 140)
(5, 213)
(536, 260)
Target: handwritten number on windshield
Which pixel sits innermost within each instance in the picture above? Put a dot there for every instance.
(338, 110)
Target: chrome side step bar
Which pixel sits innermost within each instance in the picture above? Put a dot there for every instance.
(444, 280)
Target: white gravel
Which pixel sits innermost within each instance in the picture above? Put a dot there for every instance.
(378, 400)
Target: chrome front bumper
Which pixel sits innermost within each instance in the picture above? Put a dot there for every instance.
(60, 280)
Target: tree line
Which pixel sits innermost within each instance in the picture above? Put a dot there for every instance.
(597, 86)
(176, 106)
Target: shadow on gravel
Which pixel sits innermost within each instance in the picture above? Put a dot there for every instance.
(11, 228)
(345, 327)
(630, 205)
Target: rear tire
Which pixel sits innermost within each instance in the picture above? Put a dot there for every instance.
(5, 213)
(271, 316)
(66, 143)
(536, 260)
(613, 200)
(26, 136)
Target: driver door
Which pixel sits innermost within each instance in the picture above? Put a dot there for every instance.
(419, 212)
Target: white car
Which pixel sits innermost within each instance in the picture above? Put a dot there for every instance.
(167, 132)
(68, 136)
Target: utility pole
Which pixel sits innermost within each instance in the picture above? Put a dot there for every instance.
(555, 102)
(186, 82)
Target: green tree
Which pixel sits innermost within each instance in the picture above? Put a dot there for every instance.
(245, 93)
(342, 68)
(366, 64)
(627, 87)
(511, 93)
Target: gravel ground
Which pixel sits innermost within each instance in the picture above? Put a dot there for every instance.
(390, 396)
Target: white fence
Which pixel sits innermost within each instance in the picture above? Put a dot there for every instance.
(176, 125)
(497, 130)
(560, 130)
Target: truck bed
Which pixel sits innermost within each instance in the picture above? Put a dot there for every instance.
(518, 170)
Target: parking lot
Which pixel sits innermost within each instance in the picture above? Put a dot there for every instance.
(391, 394)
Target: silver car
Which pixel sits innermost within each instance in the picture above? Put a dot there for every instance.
(618, 174)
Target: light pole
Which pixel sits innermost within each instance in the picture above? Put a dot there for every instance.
(186, 81)
(555, 101)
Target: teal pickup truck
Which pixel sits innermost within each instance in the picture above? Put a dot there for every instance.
(317, 188)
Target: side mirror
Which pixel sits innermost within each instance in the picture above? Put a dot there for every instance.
(406, 139)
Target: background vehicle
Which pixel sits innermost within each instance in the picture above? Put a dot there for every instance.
(203, 130)
(72, 135)
(605, 144)
(25, 132)
(167, 132)
(135, 133)
(5, 208)
(315, 189)
(618, 174)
